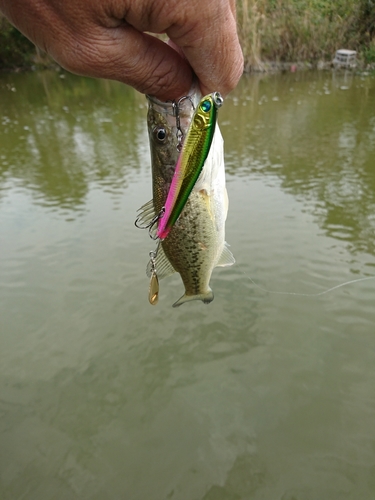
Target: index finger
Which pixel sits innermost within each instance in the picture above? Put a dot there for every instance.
(208, 38)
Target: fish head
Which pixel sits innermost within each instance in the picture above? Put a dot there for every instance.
(163, 138)
(162, 132)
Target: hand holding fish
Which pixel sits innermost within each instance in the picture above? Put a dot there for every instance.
(110, 39)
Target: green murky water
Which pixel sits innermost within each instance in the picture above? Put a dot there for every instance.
(258, 395)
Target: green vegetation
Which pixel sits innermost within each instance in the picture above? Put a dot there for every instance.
(16, 51)
(305, 30)
(270, 30)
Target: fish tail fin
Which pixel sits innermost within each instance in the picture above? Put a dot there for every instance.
(206, 298)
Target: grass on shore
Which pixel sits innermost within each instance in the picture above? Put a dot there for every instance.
(304, 30)
(16, 51)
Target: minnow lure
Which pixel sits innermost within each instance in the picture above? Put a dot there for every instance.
(190, 162)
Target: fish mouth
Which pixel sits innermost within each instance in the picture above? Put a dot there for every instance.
(188, 102)
(178, 113)
(161, 106)
(168, 107)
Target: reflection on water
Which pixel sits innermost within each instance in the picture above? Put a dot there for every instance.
(318, 138)
(256, 396)
(60, 134)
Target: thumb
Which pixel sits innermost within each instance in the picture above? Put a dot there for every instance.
(125, 54)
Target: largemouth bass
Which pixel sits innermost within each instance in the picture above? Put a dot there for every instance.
(195, 244)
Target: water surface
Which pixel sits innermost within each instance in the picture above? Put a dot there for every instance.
(256, 396)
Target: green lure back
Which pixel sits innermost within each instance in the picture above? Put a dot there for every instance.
(194, 152)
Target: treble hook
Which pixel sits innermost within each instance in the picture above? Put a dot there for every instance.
(151, 224)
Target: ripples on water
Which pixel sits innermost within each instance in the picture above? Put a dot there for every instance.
(257, 396)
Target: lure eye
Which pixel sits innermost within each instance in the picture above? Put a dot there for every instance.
(160, 134)
(205, 106)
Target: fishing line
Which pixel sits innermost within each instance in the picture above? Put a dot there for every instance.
(346, 283)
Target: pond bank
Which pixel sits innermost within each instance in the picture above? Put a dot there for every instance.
(282, 67)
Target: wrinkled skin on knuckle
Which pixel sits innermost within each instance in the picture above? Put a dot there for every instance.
(207, 34)
(238, 69)
(150, 17)
(234, 60)
(196, 21)
(76, 56)
(92, 55)
(158, 79)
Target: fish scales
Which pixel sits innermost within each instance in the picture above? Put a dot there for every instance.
(189, 245)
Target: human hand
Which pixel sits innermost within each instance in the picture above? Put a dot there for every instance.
(108, 39)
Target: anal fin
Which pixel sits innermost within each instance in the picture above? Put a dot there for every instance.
(226, 257)
(162, 265)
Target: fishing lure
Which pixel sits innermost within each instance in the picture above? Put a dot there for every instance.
(193, 155)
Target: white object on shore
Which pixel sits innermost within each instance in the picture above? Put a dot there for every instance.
(345, 58)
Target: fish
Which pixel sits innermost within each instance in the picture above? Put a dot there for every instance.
(195, 243)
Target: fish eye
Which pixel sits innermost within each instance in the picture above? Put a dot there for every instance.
(205, 106)
(160, 134)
